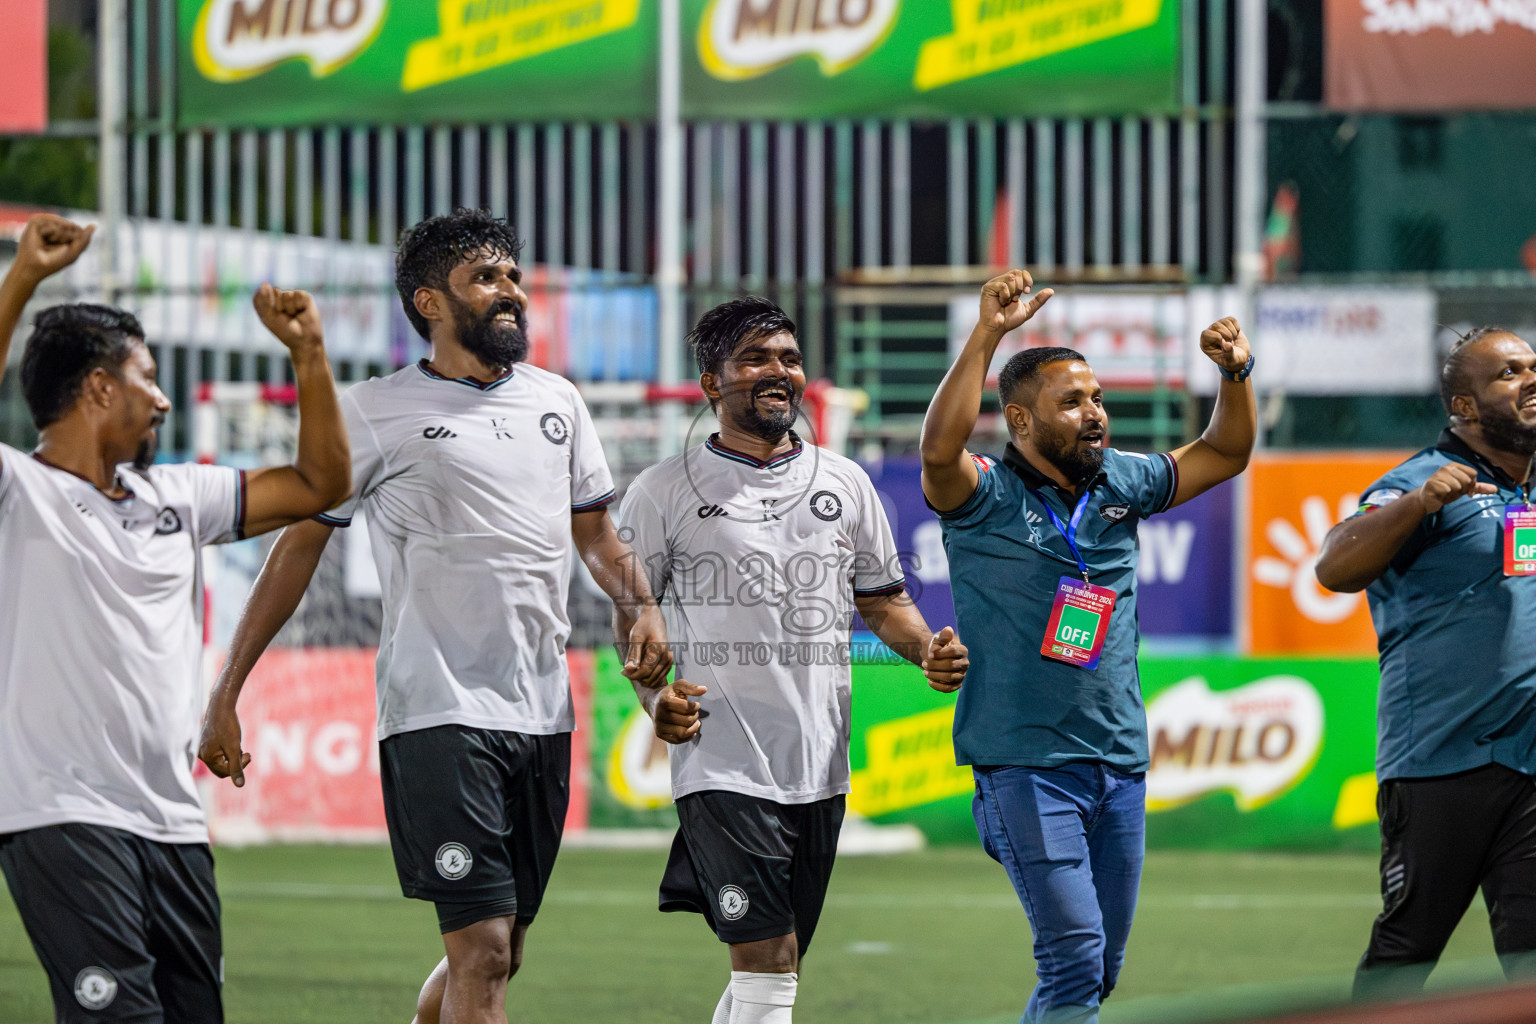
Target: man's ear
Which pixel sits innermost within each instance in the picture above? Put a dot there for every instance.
(1018, 419)
(1463, 408)
(99, 387)
(709, 385)
(429, 303)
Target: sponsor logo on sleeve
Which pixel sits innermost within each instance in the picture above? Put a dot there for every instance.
(453, 861)
(733, 903)
(1114, 513)
(437, 433)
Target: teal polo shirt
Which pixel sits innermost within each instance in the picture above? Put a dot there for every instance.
(1456, 637)
(1006, 559)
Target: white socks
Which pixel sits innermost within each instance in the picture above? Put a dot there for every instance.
(723, 1009)
(760, 998)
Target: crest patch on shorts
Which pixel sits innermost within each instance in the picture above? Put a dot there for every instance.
(95, 988)
(453, 861)
(733, 902)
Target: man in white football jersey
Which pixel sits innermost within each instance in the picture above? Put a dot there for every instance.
(763, 547)
(476, 471)
(102, 837)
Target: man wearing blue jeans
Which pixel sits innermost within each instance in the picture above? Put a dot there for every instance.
(1042, 552)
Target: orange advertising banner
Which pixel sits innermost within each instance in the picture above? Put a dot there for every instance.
(1293, 501)
(1407, 55)
(307, 719)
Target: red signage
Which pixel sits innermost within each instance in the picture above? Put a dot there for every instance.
(24, 72)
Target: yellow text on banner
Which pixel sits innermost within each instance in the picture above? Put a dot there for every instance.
(477, 36)
(994, 34)
(909, 762)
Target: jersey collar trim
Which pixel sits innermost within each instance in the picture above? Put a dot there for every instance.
(1034, 479)
(127, 494)
(474, 382)
(1452, 444)
(714, 445)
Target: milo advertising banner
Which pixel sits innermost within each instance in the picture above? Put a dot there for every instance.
(929, 58)
(291, 62)
(1246, 753)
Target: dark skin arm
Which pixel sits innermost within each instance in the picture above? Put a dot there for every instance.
(1358, 550)
(273, 600)
(638, 630)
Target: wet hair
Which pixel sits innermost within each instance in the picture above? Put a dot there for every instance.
(1456, 373)
(1022, 372)
(67, 343)
(430, 250)
(732, 324)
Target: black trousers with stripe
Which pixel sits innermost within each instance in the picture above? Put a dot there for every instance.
(1441, 840)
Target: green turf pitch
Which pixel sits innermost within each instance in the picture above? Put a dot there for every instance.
(321, 934)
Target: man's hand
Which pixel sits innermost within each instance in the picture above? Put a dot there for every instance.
(647, 657)
(49, 244)
(291, 317)
(1451, 481)
(1225, 344)
(946, 662)
(219, 745)
(1003, 306)
(677, 717)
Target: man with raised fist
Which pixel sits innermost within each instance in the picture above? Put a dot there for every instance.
(1444, 546)
(1042, 558)
(102, 836)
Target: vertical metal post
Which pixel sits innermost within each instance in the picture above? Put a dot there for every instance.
(901, 194)
(1072, 193)
(1013, 170)
(1103, 192)
(842, 196)
(669, 216)
(870, 205)
(985, 176)
(730, 205)
(524, 195)
(304, 182)
(959, 182)
(469, 166)
(331, 194)
(112, 45)
(1252, 172)
(610, 258)
(554, 195)
(1045, 192)
(1130, 192)
(415, 174)
(357, 181)
(1160, 194)
(442, 170)
(815, 245)
(389, 195)
(581, 195)
(757, 203)
(250, 190)
(703, 204)
(785, 208)
(499, 170)
(638, 242)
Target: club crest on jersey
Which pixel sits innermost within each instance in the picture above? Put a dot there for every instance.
(167, 522)
(733, 902)
(555, 430)
(453, 861)
(95, 988)
(1114, 513)
(826, 506)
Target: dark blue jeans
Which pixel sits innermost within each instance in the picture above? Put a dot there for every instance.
(1072, 840)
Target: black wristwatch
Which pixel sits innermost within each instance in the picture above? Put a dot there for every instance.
(1240, 375)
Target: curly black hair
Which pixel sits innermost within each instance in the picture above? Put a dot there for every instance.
(429, 250)
(730, 325)
(67, 343)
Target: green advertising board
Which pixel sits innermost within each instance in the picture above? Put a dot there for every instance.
(292, 62)
(1246, 754)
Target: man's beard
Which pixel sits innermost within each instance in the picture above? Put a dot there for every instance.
(1077, 462)
(773, 426)
(1504, 431)
(493, 342)
(144, 457)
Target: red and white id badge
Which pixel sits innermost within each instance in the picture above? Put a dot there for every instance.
(1519, 540)
(1079, 622)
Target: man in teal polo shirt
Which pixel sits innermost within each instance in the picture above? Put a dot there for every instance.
(1042, 555)
(1446, 544)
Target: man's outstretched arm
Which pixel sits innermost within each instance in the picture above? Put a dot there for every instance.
(638, 630)
(273, 599)
(894, 618)
(949, 475)
(1223, 450)
(320, 476)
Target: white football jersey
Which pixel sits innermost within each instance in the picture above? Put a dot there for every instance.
(101, 642)
(468, 488)
(757, 565)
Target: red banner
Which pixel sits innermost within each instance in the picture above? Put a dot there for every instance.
(1407, 55)
(24, 74)
(307, 717)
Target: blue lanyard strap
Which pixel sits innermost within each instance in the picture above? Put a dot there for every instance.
(1069, 531)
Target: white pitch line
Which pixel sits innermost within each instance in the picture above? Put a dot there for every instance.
(854, 901)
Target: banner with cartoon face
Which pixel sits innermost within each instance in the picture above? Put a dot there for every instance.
(294, 62)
